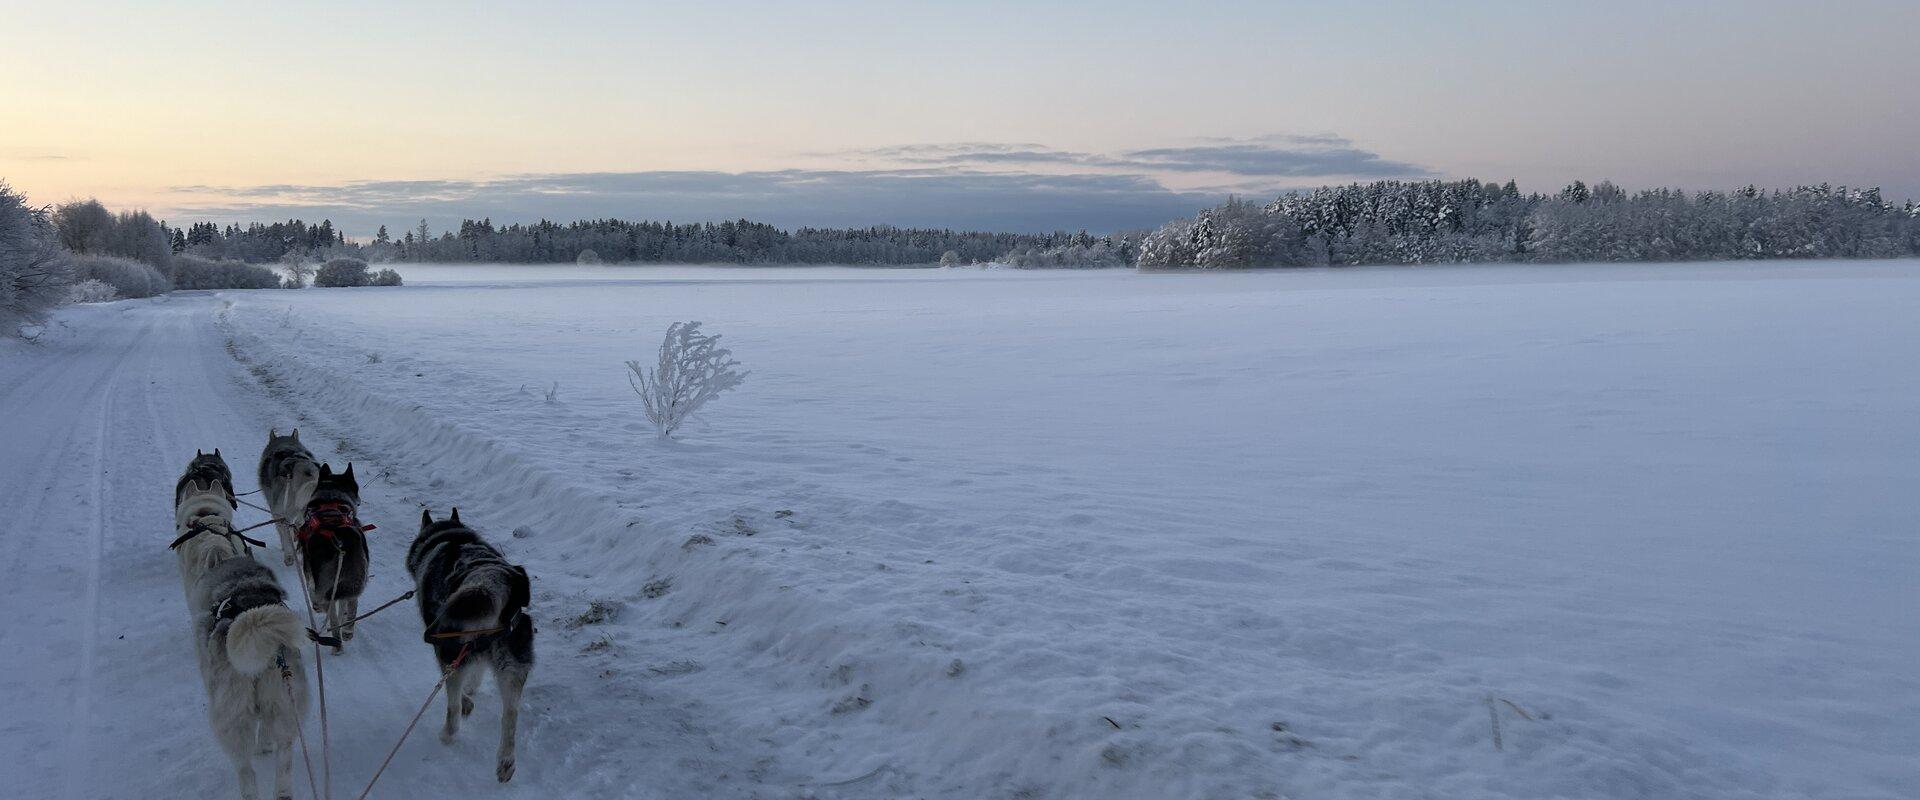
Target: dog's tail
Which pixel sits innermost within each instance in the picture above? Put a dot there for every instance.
(257, 635)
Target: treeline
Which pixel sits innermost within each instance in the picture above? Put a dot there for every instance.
(1395, 222)
(82, 252)
(732, 242)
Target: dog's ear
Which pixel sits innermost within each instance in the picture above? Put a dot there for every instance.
(348, 476)
(349, 472)
(295, 435)
(454, 515)
(326, 471)
(522, 594)
(197, 453)
(273, 433)
(426, 518)
(216, 452)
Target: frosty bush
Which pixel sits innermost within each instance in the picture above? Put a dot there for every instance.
(342, 272)
(693, 369)
(194, 272)
(129, 278)
(91, 291)
(298, 267)
(386, 277)
(587, 256)
(34, 274)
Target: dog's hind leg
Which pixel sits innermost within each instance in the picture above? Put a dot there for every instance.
(237, 740)
(510, 680)
(454, 693)
(337, 617)
(286, 537)
(349, 608)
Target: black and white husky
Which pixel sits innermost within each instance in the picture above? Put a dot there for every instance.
(333, 550)
(288, 475)
(249, 642)
(207, 468)
(474, 605)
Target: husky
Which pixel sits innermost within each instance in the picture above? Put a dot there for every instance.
(288, 475)
(203, 530)
(249, 642)
(333, 550)
(473, 603)
(208, 467)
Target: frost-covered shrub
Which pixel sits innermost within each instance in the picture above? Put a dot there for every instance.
(129, 278)
(88, 228)
(342, 272)
(194, 272)
(587, 256)
(34, 274)
(298, 268)
(692, 370)
(386, 277)
(91, 291)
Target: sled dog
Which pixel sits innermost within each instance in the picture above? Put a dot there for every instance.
(248, 643)
(473, 603)
(207, 467)
(333, 550)
(288, 474)
(203, 531)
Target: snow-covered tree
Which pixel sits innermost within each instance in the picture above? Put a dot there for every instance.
(692, 370)
(34, 275)
(299, 268)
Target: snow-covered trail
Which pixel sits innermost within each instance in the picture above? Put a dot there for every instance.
(103, 699)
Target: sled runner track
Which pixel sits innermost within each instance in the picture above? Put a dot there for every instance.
(90, 617)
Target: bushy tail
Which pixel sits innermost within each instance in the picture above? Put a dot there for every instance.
(257, 635)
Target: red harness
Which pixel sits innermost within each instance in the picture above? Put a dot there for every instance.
(327, 518)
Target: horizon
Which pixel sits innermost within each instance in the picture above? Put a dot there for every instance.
(861, 115)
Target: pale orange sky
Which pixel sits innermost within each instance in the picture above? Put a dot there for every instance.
(190, 108)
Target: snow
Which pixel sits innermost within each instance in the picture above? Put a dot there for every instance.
(969, 533)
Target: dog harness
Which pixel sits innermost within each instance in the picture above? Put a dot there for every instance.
(325, 519)
(232, 606)
(198, 527)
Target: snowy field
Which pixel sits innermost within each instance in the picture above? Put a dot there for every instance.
(969, 534)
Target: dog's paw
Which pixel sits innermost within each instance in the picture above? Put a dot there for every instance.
(466, 706)
(505, 772)
(339, 650)
(446, 735)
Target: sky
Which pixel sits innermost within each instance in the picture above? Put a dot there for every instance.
(997, 115)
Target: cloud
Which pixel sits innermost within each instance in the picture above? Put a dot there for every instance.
(1000, 186)
(913, 197)
(35, 154)
(1278, 155)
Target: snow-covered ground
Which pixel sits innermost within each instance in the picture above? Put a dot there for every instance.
(973, 534)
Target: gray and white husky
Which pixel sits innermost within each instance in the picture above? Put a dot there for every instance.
(474, 604)
(288, 475)
(248, 643)
(333, 550)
